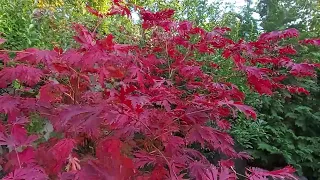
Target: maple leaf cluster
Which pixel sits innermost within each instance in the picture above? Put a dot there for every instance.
(122, 111)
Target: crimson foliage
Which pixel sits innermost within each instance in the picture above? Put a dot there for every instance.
(140, 107)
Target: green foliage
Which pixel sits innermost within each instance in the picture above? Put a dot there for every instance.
(36, 124)
(38, 25)
(287, 130)
(282, 14)
(18, 27)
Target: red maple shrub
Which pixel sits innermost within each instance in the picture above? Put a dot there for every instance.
(122, 111)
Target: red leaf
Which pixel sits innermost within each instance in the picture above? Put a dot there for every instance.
(213, 138)
(159, 18)
(195, 116)
(138, 76)
(277, 35)
(109, 152)
(79, 119)
(36, 56)
(94, 11)
(226, 53)
(258, 78)
(19, 121)
(315, 42)
(221, 30)
(297, 90)
(302, 70)
(71, 175)
(120, 9)
(8, 104)
(94, 55)
(106, 73)
(257, 72)
(52, 92)
(27, 173)
(151, 61)
(28, 55)
(84, 37)
(72, 57)
(202, 171)
(247, 110)
(173, 144)
(226, 163)
(138, 101)
(111, 163)
(4, 56)
(109, 147)
(159, 173)
(262, 86)
(119, 169)
(224, 124)
(287, 50)
(25, 74)
(62, 149)
(107, 42)
(290, 33)
(143, 158)
(227, 174)
(260, 174)
(26, 158)
(17, 138)
(185, 26)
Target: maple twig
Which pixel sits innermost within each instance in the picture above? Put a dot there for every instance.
(187, 53)
(161, 134)
(167, 161)
(71, 86)
(68, 96)
(73, 69)
(98, 24)
(238, 173)
(145, 125)
(196, 112)
(170, 72)
(46, 114)
(191, 113)
(159, 149)
(18, 158)
(78, 87)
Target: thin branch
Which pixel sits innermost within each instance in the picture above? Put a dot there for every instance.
(69, 96)
(167, 161)
(18, 158)
(98, 24)
(238, 173)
